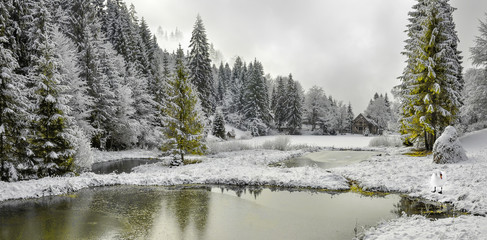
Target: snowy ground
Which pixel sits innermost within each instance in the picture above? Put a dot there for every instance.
(393, 171)
(465, 187)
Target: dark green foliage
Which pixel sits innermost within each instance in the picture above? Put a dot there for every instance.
(219, 125)
(184, 123)
(200, 67)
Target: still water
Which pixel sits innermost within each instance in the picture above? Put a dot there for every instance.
(120, 166)
(200, 212)
(328, 159)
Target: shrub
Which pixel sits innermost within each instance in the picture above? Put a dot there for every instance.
(386, 141)
(281, 143)
(447, 148)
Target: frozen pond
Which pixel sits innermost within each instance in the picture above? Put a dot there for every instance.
(329, 159)
(200, 212)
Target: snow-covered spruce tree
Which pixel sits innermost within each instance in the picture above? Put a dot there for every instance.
(256, 112)
(219, 125)
(474, 111)
(379, 111)
(200, 67)
(53, 153)
(350, 118)
(280, 104)
(431, 83)
(314, 106)
(183, 116)
(233, 99)
(76, 91)
(13, 103)
(294, 107)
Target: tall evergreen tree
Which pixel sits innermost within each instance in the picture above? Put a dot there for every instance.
(53, 152)
(184, 120)
(256, 101)
(12, 102)
(200, 67)
(294, 107)
(431, 82)
(350, 117)
(280, 113)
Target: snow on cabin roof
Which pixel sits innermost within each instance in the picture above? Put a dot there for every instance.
(371, 121)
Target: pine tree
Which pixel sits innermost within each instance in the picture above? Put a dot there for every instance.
(431, 82)
(219, 125)
(315, 106)
(184, 122)
(379, 111)
(350, 117)
(475, 111)
(12, 102)
(200, 67)
(52, 150)
(256, 110)
(280, 113)
(294, 107)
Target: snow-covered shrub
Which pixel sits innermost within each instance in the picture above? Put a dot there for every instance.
(447, 148)
(83, 156)
(279, 143)
(230, 146)
(386, 141)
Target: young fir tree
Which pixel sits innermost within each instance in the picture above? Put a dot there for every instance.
(431, 82)
(183, 122)
(52, 150)
(280, 112)
(350, 118)
(219, 125)
(200, 67)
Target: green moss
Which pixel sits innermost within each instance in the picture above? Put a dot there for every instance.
(355, 188)
(418, 153)
(191, 161)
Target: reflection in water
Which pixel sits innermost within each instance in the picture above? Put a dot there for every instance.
(430, 209)
(202, 212)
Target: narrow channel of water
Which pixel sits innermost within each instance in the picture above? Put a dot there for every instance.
(120, 166)
(198, 212)
(328, 159)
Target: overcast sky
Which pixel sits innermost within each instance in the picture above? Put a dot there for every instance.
(350, 48)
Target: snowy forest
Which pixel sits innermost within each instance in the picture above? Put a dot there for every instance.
(81, 74)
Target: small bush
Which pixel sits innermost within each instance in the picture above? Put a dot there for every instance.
(386, 141)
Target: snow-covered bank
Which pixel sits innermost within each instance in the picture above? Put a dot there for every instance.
(236, 168)
(338, 141)
(105, 156)
(419, 227)
(465, 187)
(465, 182)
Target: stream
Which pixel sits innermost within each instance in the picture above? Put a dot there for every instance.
(209, 211)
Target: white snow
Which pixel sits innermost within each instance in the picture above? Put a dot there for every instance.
(338, 141)
(419, 227)
(447, 148)
(241, 168)
(393, 171)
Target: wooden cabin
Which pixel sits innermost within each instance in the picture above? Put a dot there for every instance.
(361, 123)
